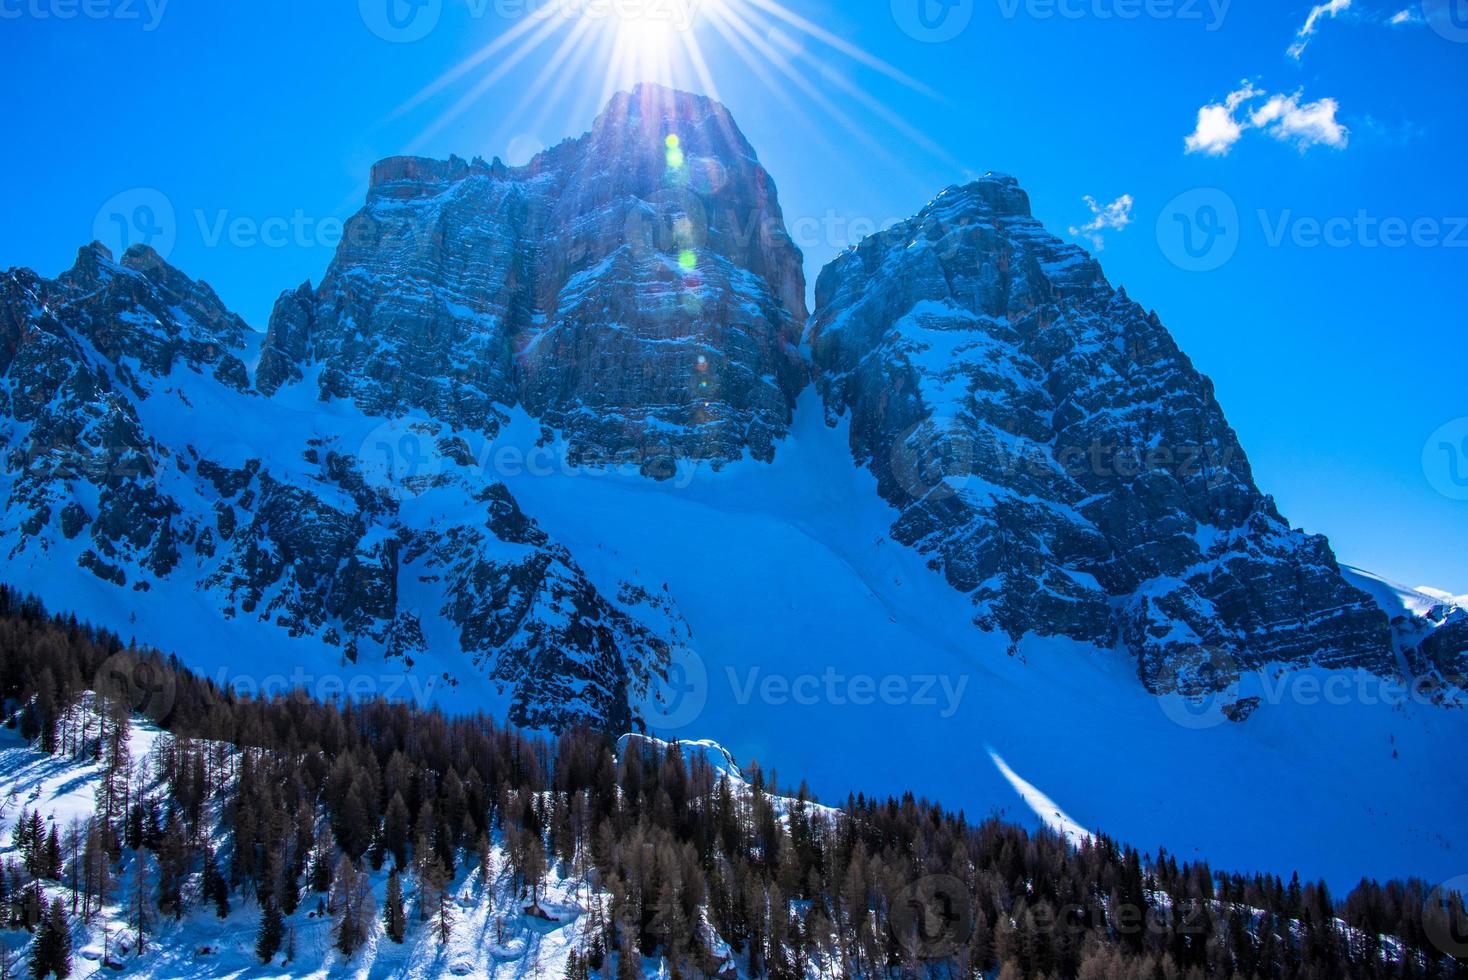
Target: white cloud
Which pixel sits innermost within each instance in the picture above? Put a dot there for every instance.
(1307, 125)
(1218, 130)
(1114, 216)
(1283, 117)
(1328, 9)
(1406, 17)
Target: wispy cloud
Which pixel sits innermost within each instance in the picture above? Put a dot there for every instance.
(1406, 18)
(1104, 217)
(1218, 129)
(1312, 23)
(1305, 125)
(1286, 118)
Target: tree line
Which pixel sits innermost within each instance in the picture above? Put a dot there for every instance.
(289, 806)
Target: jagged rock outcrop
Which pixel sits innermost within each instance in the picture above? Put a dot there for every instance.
(634, 288)
(1058, 457)
(1446, 648)
(268, 514)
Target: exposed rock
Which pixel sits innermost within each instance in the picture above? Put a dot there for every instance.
(634, 288)
(1046, 444)
(1055, 453)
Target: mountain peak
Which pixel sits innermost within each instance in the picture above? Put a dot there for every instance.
(1001, 390)
(994, 192)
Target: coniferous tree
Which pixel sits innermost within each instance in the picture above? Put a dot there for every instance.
(395, 830)
(395, 915)
(50, 861)
(52, 953)
(662, 845)
(173, 868)
(272, 933)
(351, 904)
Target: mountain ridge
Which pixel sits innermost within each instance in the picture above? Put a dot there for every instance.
(635, 292)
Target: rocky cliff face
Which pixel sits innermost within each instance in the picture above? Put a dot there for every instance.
(634, 289)
(635, 293)
(138, 454)
(1059, 458)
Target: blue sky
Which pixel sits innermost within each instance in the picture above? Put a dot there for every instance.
(1329, 308)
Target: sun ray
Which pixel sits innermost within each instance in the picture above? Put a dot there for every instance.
(476, 59)
(548, 28)
(585, 41)
(782, 65)
(700, 65)
(797, 111)
(845, 47)
(882, 111)
(783, 51)
(552, 71)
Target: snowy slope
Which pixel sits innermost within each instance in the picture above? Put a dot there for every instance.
(786, 571)
(806, 637)
(1396, 599)
(491, 936)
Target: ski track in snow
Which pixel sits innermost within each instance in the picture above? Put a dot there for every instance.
(774, 566)
(1051, 815)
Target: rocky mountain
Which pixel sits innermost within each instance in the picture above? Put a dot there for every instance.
(635, 289)
(125, 390)
(1058, 457)
(1429, 626)
(634, 297)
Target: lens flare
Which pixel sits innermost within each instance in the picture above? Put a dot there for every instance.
(624, 42)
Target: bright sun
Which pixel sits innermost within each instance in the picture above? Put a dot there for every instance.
(645, 38)
(592, 48)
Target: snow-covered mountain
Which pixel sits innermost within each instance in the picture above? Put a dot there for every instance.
(635, 289)
(1059, 458)
(1429, 626)
(150, 482)
(544, 442)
